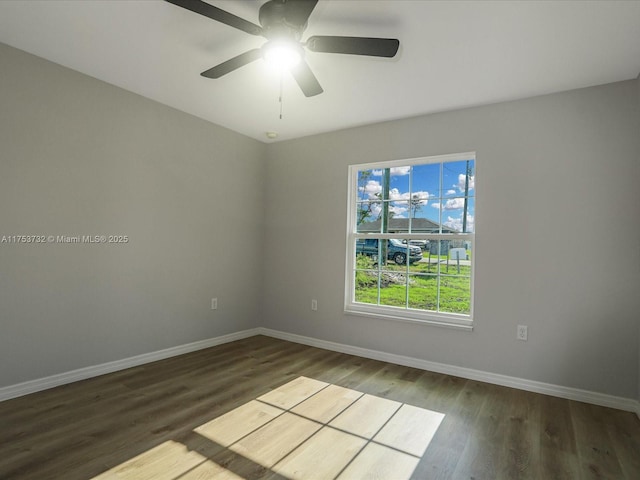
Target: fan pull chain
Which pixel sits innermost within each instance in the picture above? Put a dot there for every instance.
(281, 90)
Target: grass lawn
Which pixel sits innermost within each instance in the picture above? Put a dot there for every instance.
(454, 288)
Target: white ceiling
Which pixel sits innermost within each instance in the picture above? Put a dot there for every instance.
(452, 55)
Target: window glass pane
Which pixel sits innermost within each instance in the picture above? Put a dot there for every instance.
(399, 180)
(455, 294)
(418, 204)
(430, 258)
(428, 220)
(368, 217)
(366, 294)
(366, 287)
(367, 253)
(369, 186)
(425, 180)
(453, 214)
(366, 270)
(439, 250)
(459, 258)
(396, 213)
(399, 251)
(423, 292)
(419, 262)
(424, 207)
(393, 290)
(454, 178)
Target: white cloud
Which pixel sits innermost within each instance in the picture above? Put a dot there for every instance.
(396, 195)
(456, 223)
(461, 181)
(395, 171)
(400, 171)
(376, 209)
(371, 189)
(398, 212)
(451, 192)
(454, 204)
(450, 204)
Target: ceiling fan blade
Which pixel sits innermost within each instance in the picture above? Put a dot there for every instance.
(298, 11)
(233, 63)
(375, 47)
(306, 79)
(215, 13)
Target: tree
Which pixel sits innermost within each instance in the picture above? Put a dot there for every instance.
(365, 209)
(415, 204)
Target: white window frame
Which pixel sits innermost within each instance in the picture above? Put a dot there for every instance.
(352, 307)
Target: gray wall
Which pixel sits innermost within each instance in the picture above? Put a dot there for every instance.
(557, 242)
(78, 156)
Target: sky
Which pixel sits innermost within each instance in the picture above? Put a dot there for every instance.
(438, 190)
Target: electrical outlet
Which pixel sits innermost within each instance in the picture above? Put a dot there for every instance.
(314, 304)
(214, 304)
(522, 332)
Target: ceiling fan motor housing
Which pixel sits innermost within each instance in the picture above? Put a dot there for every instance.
(275, 23)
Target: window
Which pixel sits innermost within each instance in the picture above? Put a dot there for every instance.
(410, 240)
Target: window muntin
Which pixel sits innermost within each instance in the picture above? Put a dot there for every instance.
(422, 210)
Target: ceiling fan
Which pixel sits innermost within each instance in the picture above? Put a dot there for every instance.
(282, 23)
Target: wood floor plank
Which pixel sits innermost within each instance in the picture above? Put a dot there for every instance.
(483, 452)
(327, 403)
(167, 461)
(558, 465)
(239, 422)
(596, 451)
(366, 416)
(277, 439)
(289, 395)
(521, 445)
(558, 455)
(321, 457)
(623, 428)
(410, 430)
(380, 462)
(387, 383)
(462, 407)
(209, 471)
(364, 369)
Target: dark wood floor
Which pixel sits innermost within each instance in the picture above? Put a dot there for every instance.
(81, 430)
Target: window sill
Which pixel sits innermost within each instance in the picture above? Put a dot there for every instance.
(402, 316)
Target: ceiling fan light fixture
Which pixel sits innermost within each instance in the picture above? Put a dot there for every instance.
(282, 23)
(282, 55)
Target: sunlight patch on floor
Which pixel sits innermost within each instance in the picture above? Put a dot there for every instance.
(168, 461)
(231, 427)
(305, 429)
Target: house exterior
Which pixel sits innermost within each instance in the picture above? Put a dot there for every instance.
(402, 225)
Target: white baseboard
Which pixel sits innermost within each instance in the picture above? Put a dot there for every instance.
(620, 403)
(32, 386)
